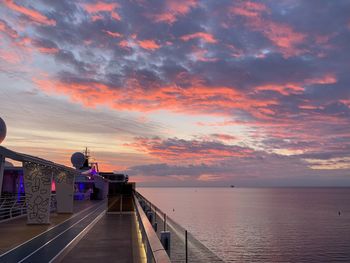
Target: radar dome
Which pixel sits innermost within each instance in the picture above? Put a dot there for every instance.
(2, 130)
(78, 160)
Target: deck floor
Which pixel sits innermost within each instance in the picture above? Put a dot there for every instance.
(113, 238)
(17, 231)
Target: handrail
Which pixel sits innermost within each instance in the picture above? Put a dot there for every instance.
(21, 157)
(199, 252)
(156, 248)
(13, 206)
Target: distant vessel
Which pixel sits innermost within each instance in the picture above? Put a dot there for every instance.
(232, 186)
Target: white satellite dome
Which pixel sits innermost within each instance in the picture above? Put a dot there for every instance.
(3, 130)
(78, 160)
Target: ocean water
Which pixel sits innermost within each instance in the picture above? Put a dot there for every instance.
(263, 224)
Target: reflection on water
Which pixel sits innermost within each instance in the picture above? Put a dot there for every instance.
(263, 225)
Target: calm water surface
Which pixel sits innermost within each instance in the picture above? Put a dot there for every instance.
(263, 225)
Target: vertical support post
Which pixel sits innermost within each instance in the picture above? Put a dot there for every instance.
(149, 253)
(186, 246)
(2, 167)
(164, 227)
(155, 224)
(166, 241)
(64, 191)
(37, 186)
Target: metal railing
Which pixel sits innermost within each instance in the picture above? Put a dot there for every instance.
(153, 248)
(12, 206)
(183, 247)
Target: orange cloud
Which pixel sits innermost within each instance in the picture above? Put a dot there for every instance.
(174, 9)
(95, 8)
(90, 94)
(297, 88)
(286, 89)
(47, 50)
(30, 13)
(194, 99)
(206, 37)
(8, 30)
(249, 9)
(281, 35)
(148, 44)
(112, 34)
(210, 178)
(224, 137)
(193, 151)
(326, 79)
(200, 54)
(10, 56)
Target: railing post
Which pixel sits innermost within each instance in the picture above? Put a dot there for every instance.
(164, 226)
(186, 246)
(2, 167)
(150, 217)
(155, 224)
(166, 241)
(149, 253)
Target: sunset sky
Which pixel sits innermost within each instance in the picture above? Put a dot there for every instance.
(182, 92)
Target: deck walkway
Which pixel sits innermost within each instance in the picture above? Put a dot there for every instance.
(88, 235)
(114, 238)
(17, 231)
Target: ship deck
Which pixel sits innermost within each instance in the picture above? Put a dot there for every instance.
(87, 234)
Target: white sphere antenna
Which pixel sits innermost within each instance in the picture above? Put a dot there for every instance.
(3, 130)
(78, 160)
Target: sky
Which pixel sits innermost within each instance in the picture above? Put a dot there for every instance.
(182, 92)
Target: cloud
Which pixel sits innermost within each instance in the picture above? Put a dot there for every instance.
(173, 9)
(9, 31)
(274, 76)
(32, 14)
(281, 35)
(148, 44)
(206, 37)
(194, 151)
(95, 8)
(113, 34)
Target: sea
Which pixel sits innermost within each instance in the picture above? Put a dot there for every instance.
(263, 224)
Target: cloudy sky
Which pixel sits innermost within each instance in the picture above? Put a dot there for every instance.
(182, 92)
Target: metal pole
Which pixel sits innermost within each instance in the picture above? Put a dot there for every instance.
(164, 228)
(2, 168)
(186, 245)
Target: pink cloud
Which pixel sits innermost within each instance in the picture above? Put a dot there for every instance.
(249, 9)
(283, 36)
(8, 30)
(34, 15)
(286, 89)
(112, 34)
(325, 79)
(47, 50)
(174, 9)
(95, 8)
(223, 137)
(206, 37)
(10, 56)
(194, 151)
(197, 98)
(148, 44)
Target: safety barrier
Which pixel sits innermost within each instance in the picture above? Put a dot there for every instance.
(154, 249)
(12, 206)
(180, 245)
